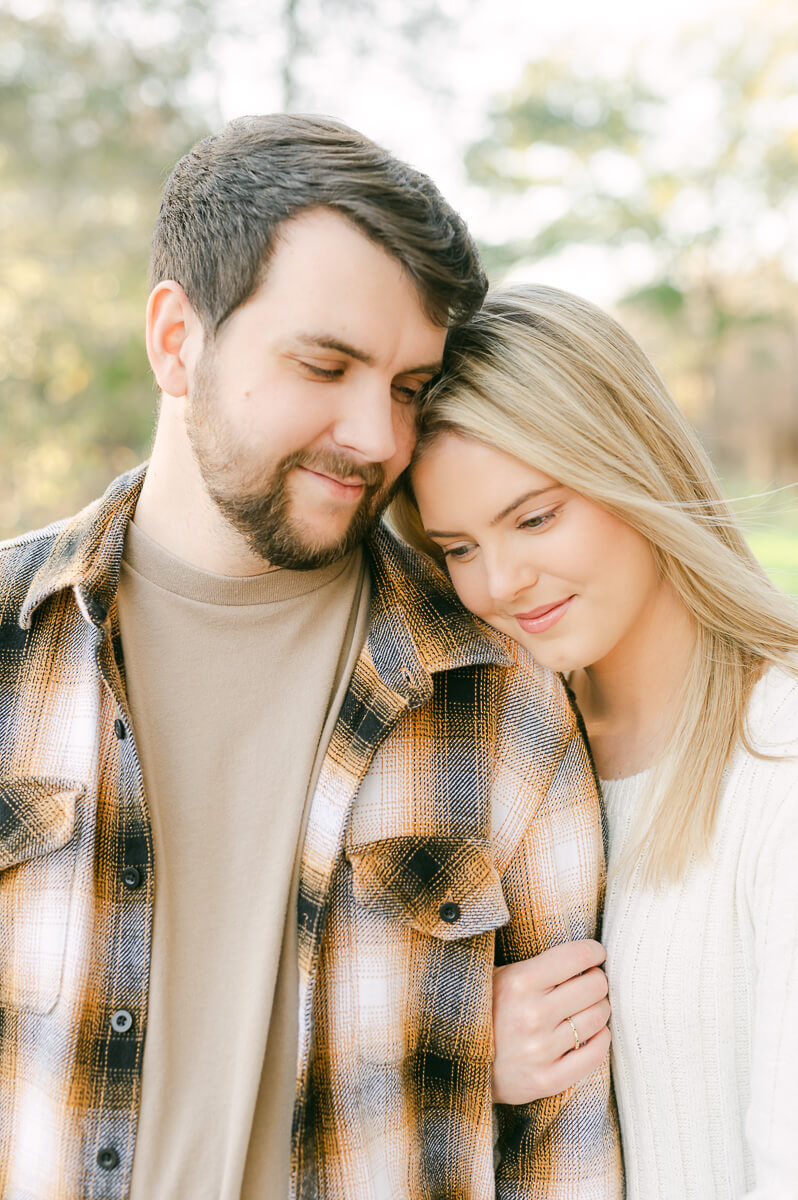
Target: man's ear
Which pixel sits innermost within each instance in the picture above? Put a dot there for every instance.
(174, 337)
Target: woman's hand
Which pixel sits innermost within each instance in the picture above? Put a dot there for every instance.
(536, 1050)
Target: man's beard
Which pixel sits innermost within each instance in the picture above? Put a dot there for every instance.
(262, 514)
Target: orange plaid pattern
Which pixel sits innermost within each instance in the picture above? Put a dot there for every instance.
(455, 824)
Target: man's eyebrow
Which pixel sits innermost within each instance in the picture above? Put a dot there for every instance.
(325, 341)
(425, 369)
(440, 533)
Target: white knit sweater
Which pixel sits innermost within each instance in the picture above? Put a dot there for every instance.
(704, 985)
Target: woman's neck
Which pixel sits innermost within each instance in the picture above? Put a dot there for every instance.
(629, 699)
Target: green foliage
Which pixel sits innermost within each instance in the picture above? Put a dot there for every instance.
(91, 125)
(691, 167)
(603, 146)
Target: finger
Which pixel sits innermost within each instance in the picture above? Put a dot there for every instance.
(587, 1024)
(577, 1064)
(576, 994)
(553, 967)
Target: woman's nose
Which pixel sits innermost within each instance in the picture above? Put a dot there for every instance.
(509, 577)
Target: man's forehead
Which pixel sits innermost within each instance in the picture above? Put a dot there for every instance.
(326, 282)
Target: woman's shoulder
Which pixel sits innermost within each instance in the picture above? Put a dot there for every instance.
(772, 718)
(762, 778)
(764, 790)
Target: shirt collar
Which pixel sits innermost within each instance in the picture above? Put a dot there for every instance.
(417, 625)
(87, 552)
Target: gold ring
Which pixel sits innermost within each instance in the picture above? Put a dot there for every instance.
(576, 1035)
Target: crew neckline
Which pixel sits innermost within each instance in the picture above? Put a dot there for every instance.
(147, 558)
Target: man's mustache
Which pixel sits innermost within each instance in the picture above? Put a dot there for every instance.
(337, 465)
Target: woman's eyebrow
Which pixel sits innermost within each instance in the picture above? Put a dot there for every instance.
(505, 512)
(440, 533)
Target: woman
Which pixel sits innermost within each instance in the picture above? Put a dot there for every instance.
(575, 510)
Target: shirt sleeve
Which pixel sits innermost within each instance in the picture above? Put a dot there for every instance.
(772, 1118)
(565, 1147)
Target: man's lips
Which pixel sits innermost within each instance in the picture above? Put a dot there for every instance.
(350, 488)
(542, 618)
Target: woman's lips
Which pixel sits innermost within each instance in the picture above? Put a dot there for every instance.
(541, 619)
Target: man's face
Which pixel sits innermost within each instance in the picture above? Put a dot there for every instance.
(301, 413)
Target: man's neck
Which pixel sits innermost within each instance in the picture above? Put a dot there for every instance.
(175, 510)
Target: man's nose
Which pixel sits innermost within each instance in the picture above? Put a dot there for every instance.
(509, 575)
(366, 424)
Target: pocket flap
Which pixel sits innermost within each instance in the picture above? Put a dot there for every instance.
(447, 887)
(37, 815)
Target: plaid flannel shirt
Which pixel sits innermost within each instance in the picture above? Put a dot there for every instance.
(455, 822)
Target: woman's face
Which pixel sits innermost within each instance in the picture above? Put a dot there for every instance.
(568, 580)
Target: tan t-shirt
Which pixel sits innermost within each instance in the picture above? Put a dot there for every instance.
(233, 686)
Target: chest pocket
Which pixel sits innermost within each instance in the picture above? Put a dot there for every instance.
(37, 869)
(446, 887)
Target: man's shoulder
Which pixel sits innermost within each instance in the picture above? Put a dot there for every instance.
(535, 695)
(529, 695)
(83, 550)
(21, 558)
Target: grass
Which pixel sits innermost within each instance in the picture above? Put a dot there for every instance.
(777, 550)
(770, 523)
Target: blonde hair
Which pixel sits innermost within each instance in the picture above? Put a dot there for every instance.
(552, 380)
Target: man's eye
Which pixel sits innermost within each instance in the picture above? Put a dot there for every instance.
(323, 372)
(406, 395)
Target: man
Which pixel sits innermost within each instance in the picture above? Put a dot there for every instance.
(219, 638)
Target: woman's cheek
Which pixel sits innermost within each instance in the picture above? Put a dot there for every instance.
(466, 588)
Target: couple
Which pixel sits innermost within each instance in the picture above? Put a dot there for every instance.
(302, 864)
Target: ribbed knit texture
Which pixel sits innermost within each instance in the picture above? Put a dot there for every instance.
(704, 984)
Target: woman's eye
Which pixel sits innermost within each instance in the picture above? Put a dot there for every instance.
(458, 552)
(538, 522)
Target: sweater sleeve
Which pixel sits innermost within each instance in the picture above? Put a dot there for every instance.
(772, 1117)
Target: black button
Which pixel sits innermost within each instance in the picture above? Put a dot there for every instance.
(122, 1021)
(107, 1158)
(96, 610)
(132, 877)
(119, 729)
(449, 912)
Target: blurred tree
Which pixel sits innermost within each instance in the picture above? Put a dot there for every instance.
(692, 166)
(410, 34)
(98, 98)
(91, 122)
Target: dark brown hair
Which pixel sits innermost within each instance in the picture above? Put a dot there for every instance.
(226, 198)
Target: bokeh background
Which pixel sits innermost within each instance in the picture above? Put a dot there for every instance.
(645, 156)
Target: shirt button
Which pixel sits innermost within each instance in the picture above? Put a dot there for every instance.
(119, 729)
(132, 877)
(107, 1158)
(449, 912)
(122, 1021)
